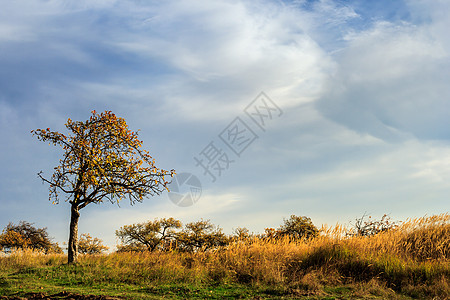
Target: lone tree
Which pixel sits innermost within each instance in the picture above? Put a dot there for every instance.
(102, 160)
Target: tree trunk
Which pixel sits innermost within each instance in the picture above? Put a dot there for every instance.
(72, 250)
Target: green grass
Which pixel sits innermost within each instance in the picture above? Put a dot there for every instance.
(53, 280)
(91, 278)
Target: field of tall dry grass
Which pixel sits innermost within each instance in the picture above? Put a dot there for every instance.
(410, 261)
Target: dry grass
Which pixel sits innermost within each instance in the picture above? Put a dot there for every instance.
(413, 259)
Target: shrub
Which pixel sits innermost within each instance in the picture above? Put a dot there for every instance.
(371, 226)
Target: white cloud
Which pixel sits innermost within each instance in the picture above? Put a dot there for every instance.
(228, 53)
(389, 52)
(391, 81)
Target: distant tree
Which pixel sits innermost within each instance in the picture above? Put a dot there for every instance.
(201, 235)
(102, 160)
(25, 235)
(152, 234)
(241, 233)
(270, 233)
(298, 228)
(371, 227)
(90, 245)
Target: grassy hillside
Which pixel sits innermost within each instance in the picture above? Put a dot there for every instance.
(411, 261)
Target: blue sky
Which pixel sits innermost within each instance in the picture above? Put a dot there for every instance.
(363, 87)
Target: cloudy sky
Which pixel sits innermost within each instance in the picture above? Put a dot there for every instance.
(356, 107)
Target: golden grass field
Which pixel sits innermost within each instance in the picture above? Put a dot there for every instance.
(411, 261)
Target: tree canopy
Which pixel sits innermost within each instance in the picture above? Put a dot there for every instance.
(296, 227)
(166, 234)
(151, 234)
(26, 236)
(201, 235)
(90, 245)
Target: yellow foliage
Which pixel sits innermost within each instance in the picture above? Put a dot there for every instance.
(102, 159)
(89, 245)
